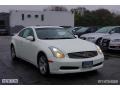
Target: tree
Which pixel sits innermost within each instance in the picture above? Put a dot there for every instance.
(100, 17)
(117, 20)
(103, 17)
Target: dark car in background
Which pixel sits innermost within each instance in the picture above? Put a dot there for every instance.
(73, 29)
(85, 30)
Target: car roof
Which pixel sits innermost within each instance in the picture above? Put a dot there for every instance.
(44, 27)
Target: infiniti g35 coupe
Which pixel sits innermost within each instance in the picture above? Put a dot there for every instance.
(54, 50)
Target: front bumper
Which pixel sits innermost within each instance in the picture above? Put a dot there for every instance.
(114, 45)
(74, 65)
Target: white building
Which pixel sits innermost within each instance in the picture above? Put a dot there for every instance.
(44, 18)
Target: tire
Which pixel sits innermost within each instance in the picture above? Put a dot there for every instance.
(13, 54)
(43, 65)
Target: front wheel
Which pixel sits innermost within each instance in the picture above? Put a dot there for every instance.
(13, 54)
(43, 65)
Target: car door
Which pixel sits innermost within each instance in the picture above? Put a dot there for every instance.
(18, 42)
(28, 47)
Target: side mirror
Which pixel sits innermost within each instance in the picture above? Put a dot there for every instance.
(30, 38)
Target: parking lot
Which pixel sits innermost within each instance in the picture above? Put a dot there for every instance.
(26, 73)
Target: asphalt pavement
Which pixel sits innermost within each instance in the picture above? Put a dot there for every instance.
(28, 74)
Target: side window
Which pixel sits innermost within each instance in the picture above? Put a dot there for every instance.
(117, 30)
(93, 29)
(112, 31)
(28, 32)
(89, 30)
(21, 33)
(31, 33)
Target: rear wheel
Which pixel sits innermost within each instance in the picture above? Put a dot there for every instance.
(43, 65)
(13, 54)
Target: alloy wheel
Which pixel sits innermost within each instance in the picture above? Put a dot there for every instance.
(42, 65)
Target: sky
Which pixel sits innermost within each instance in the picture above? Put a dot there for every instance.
(7, 8)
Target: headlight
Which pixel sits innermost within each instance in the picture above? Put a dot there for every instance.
(56, 52)
(99, 50)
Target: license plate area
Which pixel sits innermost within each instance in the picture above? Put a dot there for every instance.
(87, 64)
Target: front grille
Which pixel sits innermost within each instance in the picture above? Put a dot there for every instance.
(68, 67)
(85, 54)
(105, 42)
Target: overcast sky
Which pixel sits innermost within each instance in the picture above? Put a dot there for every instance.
(7, 8)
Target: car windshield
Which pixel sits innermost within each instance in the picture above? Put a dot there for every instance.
(53, 33)
(104, 30)
(82, 29)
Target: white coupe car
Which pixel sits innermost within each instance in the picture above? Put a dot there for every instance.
(54, 50)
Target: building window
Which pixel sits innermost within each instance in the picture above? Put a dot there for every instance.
(36, 16)
(22, 16)
(42, 17)
(29, 16)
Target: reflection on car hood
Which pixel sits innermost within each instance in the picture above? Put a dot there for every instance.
(71, 45)
(96, 35)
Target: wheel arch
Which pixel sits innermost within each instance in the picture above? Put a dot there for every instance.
(100, 38)
(40, 53)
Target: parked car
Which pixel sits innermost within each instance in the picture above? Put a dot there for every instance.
(111, 42)
(54, 50)
(73, 29)
(97, 36)
(85, 30)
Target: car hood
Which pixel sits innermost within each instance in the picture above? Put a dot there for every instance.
(113, 36)
(97, 35)
(71, 45)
